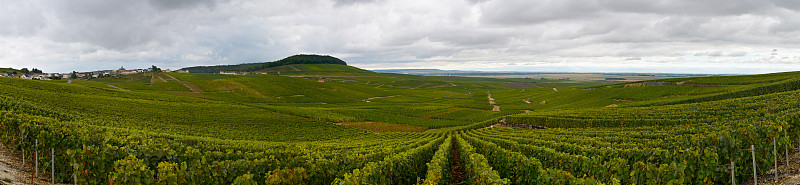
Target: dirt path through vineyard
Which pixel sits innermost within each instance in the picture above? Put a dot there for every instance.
(11, 170)
(457, 172)
(189, 85)
(492, 102)
(117, 87)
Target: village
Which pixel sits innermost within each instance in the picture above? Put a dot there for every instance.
(84, 75)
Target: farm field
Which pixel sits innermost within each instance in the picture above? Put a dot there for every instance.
(337, 124)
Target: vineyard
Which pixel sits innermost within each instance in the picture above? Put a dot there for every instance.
(377, 128)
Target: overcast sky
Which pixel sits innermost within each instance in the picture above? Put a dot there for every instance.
(688, 36)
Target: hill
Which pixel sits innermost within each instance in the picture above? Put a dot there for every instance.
(201, 128)
(9, 70)
(250, 67)
(319, 70)
(19, 71)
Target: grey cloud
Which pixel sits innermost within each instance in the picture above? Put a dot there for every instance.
(180, 33)
(634, 58)
(522, 12)
(686, 7)
(737, 54)
(21, 19)
(180, 4)
(352, 2)
(710, 54)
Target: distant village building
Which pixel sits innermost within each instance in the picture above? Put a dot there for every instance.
(39, 76)
(93, 74)
(127, 72)
(228, 72)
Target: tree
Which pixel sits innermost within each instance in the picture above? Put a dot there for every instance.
(74, 75)
(34, 70)
(155, 69)
(25, 71)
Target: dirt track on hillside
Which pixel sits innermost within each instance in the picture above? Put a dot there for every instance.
(189, 85)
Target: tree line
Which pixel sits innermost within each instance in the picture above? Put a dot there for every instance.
(249, 67)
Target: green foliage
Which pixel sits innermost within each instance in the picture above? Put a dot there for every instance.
(478, 169)
(169, 174)
(297, 175)
(511, 165)
(246, 179)
(402, 168)
(10, 70)
(249, 129)
(439, 166)
(131, 171)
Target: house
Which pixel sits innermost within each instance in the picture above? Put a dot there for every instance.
(181, 71)
(23, 76)
(39, 76)
(127, 72)
(96, 74)
(228, 72)
(3, 75)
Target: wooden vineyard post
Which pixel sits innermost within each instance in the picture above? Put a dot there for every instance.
(755, 175)
(775, 153)
(21, 140)
(52, 166)
(786, 147)
(733, 176)
(36, 158)
(74, 175)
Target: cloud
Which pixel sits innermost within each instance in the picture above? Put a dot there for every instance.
(633, 58)
(352, 2)
(710, 54)
(61, 36)
(737, 54)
